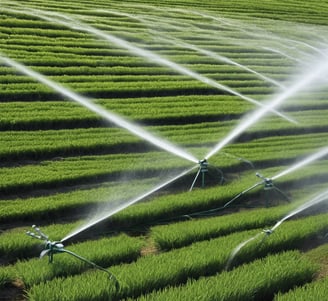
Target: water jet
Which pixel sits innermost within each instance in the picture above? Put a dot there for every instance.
(108, 212)
(107, 115)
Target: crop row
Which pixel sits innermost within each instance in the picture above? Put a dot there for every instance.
(179, 206)
(181, 234)
(29, 143)
(14, 80)
(259, 280)
(127, 70)
(137, 108)
(17, 46)
(87, 47)
(17, 21)
(240, 78)
(178, 109)
(276, 9)
(66, 204)
(100, 70)
(317, 290)
(182, 54)
(177, 266)
(149, 84)
(41, 207)
(270, 151)
(232, 80)
(176, 88)
(75, 170)
(43, 32)
(37, 144)
(105, 251)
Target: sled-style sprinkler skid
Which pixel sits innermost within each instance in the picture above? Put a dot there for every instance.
(54, 247)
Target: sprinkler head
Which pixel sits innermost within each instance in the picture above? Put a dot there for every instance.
(203, 165)
(268, 184)
(54, 245)
(51, 247)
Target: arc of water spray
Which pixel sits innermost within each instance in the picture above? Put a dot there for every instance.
(282, 54)
(316, 200)
(208, 53)
(238, 248)
(222, 58)
(321, 153)
(264, 34)
(301, 84)
(124, 205)
(259, 34)
(150, 56)
(109, 116)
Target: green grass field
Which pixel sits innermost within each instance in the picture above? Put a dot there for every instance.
(190, 73)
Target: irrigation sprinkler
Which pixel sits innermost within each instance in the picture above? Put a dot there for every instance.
(54, 247)
(323, 196)
(268, 182)
(204, 167)
(202, 170)
(268, 185)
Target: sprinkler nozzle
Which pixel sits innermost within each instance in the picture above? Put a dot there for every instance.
(268, 184)
(260, 176)
(51, 247)
(43, 236)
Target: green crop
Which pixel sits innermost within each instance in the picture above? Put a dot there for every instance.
(177, 266)
(316, 290)
(255, 281)
(58, 162)
(103, 252)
